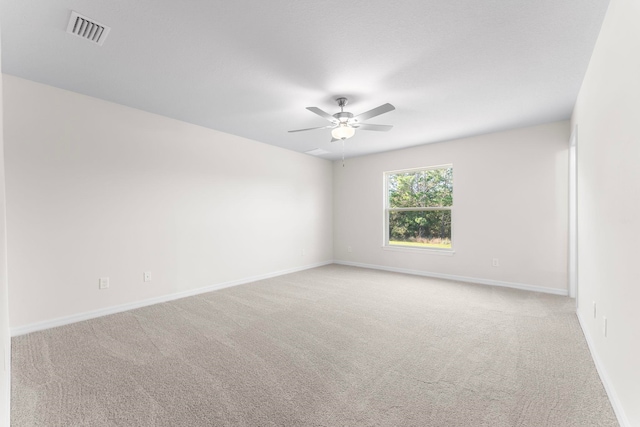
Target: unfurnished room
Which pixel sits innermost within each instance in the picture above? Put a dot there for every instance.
(319, 213)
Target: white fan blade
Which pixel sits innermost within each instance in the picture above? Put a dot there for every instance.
(321, 127)
(367, 126)
(385, 108)
(323, 114)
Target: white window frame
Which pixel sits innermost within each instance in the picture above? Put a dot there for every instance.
(387, 209)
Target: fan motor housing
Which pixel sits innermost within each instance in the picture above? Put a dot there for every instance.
(343, 116)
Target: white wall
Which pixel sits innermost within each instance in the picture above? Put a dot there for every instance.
(5, 338)
(98, 189)
(607, 114)
(510, 203)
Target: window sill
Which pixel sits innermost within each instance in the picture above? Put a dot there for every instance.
(445, 252)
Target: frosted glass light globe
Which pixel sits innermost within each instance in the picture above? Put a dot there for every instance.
(343, 131)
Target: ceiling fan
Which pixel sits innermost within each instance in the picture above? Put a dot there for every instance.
(344, 124)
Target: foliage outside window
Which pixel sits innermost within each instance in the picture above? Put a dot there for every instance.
(418, 207)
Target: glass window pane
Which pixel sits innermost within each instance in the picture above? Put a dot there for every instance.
(425, 229)
(427, 188)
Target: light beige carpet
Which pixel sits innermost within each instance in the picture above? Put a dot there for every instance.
(332, 346)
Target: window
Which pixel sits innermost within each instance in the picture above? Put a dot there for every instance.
(418, 208)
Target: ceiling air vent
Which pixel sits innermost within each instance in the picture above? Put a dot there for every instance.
(317, 152)
(87, 28)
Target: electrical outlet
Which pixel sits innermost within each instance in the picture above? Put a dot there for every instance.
(146, 276)
(604, 326)
(302, 252)
(495, 262)
(103, 283)
(594, 310)
(349, 249)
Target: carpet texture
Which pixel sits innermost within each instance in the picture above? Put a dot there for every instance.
(331, 346)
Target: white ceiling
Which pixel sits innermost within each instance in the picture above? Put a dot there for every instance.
(452, 68)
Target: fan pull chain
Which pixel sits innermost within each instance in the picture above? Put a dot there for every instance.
(343, 153)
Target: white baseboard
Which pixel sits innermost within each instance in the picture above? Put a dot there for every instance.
(522, 286)
(604, 377)
(65, 320)
(60, 321)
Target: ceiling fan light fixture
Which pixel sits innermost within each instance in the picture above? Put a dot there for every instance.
(344, 124)
(343, 131)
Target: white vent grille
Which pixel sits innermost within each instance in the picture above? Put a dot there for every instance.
(317, 152)
(87, 28)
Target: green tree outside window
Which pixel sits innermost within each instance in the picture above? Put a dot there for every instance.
(419, 205)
